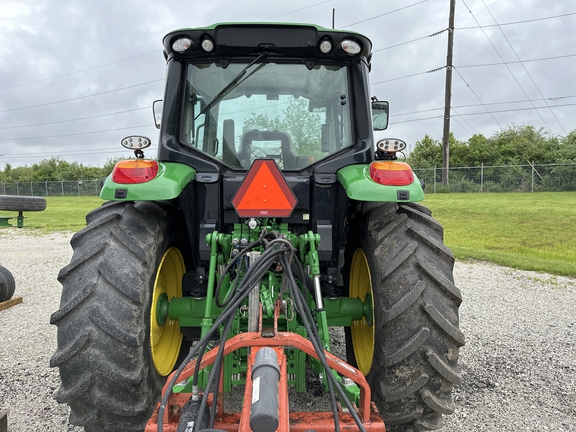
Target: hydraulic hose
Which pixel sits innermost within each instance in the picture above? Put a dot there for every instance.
(252, 276)
(276, 251)
(306, 314)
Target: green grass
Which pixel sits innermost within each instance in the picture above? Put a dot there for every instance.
(529, 231)
(61, 214)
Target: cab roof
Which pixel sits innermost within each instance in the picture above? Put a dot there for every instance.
(291, 40)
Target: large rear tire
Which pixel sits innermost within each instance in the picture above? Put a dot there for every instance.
(22, 203)
(7, 284)
(112, 354)
(396, 255)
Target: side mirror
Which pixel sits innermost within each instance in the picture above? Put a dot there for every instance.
(157, 112)
(379, 115)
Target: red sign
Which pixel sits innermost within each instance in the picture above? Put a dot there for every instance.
(264, 192)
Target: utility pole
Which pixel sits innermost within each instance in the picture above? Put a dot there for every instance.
(447, 100)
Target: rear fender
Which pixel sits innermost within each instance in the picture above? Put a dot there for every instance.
(359, 186)
(172, 177)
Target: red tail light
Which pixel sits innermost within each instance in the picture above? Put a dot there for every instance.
(134, 171)
(391, 173)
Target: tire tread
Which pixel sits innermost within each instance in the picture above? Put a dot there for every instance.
(7, 284)
(416, 302)
(107, 375)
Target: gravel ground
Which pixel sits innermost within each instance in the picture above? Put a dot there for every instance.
(519, 363)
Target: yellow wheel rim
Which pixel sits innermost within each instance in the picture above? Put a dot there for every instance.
(166, 338)
(362, 333)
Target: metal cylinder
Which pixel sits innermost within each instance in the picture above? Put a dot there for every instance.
(265, 377)
(254, 297)
(318, 293)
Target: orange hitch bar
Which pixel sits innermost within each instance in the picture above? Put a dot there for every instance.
(288, 421)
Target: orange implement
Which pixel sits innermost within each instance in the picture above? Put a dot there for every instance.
(288, 421)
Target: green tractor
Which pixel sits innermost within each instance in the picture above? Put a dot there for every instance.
(269, 216)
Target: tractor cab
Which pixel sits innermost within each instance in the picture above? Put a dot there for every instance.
(296, 94)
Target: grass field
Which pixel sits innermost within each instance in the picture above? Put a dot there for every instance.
(61, 214)
(529, 231)
(534, 231)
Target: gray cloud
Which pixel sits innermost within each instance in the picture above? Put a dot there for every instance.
(116, 46)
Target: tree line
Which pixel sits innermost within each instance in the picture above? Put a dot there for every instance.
(515, 145)
(55, 169)
(537, 161)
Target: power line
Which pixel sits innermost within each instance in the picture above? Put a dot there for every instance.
(477, 27)
(462, 126)
(422, 111)
(477, 97)
(410, 41)
(408, 76)
(74, 134)
(418, 119)
(471, 66)
(381, 15)
(475, 113)
(61, 153)
(81, 97)
(514, 102)
(76, 119)
(297, 10)
(499, 55)
(519, 61)
(402, 43)
(487, 104)
(525, 69)
(517, 109)
(516, 22)
(108, 150)
(464, 120)
(81, 70)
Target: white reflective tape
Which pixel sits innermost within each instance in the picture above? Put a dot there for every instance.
(256, 390)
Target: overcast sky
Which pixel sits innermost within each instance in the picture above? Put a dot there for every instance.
(78, 76)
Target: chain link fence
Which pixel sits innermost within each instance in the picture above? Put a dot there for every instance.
(52, 188)
(508, 178)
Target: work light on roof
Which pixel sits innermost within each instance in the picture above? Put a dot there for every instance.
(325, 46)
(207, 45)
(351, 47)
(182, 44)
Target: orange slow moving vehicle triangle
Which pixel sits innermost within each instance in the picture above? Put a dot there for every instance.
(264, 192)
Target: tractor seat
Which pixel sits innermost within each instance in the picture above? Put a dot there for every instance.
(275, 145)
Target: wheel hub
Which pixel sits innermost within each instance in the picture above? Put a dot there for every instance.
(362, 331)
(162, 309)
(165, 335)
